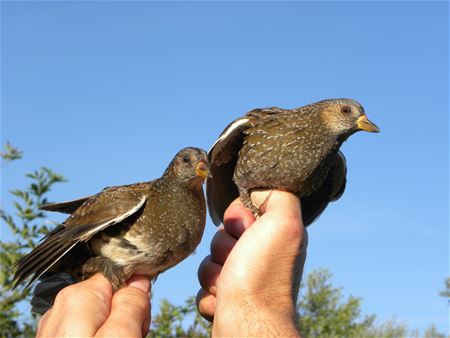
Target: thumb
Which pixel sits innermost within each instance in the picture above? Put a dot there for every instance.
(281, 203)
(281, 219)
(130, 310)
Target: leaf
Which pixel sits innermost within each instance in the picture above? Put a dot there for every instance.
(10, 153)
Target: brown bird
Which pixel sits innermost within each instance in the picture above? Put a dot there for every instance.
(295, 150)
(142, 228)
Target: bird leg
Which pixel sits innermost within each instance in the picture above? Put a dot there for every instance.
(116, 274)
(248, 203)
(259, 197)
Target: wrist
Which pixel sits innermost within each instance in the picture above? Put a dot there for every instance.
(256, 317)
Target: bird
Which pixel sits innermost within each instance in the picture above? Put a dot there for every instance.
(143, 228)
(295, 150)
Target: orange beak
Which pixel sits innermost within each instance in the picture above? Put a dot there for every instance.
(365, 124)
(202, 170)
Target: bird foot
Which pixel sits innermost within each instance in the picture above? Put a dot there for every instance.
(116, 274)
(255, 200)
(259, 197)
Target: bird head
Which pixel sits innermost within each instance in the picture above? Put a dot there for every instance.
(344, 117)
(190, 165)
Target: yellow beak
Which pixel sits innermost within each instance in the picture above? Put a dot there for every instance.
(202, 170)
(363, 123)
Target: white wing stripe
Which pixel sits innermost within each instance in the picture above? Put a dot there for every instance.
(115, 220)
(229, 130)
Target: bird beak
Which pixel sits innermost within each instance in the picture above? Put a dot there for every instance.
(363, 123)
(202, 170)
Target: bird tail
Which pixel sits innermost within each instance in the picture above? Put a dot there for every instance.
(45, 292)
(43, 257)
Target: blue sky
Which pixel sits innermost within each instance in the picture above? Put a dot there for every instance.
(107, 92)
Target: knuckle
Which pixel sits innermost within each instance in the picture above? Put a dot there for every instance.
(132, 299)
(288, 224)
(208, 277)
(203, 265)
(68, 294)
(205, 304)
(221, 245)
(121, 328)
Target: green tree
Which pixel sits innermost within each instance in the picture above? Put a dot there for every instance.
(26, 227)
(173, 321)
(390, 329)
(10, 154)
(323, 314)
(432, 332)
(446, 293)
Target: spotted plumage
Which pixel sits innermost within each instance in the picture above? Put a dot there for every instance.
(142, 228)
(296, 150)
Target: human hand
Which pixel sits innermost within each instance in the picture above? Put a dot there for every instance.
(90, 309)
(251, 279)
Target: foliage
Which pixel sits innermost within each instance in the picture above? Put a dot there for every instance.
(322, 314)
(389, 329)
(432, 332)
(26, 227)
(10, 153)
(446, 293)
(171, 321)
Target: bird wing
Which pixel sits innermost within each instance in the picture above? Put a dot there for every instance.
(107, 208)
(65, 207)
(339, 177)
(259, 114)
(222, 157)
(331, 190)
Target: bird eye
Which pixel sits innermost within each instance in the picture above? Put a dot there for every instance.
(346, 110)
(186, 159)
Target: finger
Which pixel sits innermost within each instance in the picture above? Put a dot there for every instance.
(221, 246)
(142, 283)
(237, 218)
(130, 309)
(208, 273)
(87, 302)
(282, 215)
(282, 203)
(45, 325)
(206, 304)
(282, 221)
(139, 282)
(146, 324)
(300, 264)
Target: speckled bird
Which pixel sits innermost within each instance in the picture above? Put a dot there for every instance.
(295, 150)
(142, 228)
